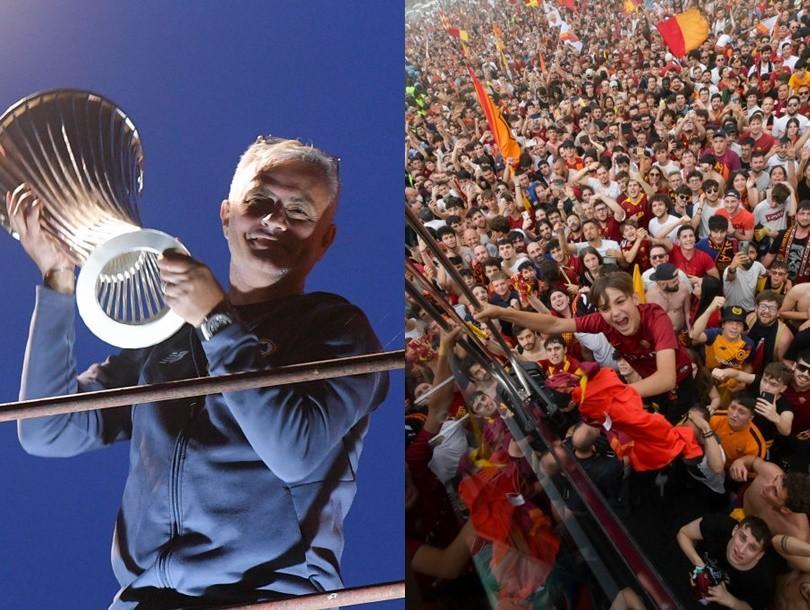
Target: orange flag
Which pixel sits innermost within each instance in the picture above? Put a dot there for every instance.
(504, 139)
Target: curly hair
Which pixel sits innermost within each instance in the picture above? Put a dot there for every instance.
(797, 486)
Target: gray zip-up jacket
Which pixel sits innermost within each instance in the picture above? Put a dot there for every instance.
(232, 497)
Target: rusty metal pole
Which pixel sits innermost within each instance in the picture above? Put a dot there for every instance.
(345, 597)
(119, 397)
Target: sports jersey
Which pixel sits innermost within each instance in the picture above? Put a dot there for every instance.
(638, 208)
(737, 443)
(655, 333)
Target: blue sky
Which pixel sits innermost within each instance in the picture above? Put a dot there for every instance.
(201, 80)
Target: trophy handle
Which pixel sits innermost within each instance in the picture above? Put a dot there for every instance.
(119, 293)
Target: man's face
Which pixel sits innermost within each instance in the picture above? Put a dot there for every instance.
(801, 375)
(469, 238)
(479, 373)
(555, 353)
(767, 312)
(633, 188)
(743, 550)
(528, 273)
(500, 287)
(675, 181)
(719, 145)
(732, 329)
(757, 163)
(479, 220)
(573, 224)
(527, 339)
(738, 415)
(793, 106)
(621, 311)
(590, 231)
(279, 225)
(602, 175)
(449, 240)
(483, 406)
(731, 204)
(778, 276)
(687, 239)
(480, 253)
(772, 385)
(601, 211)
(659, 208)
(767, 105)
(803, 218)
(534, 250)
(506, 251)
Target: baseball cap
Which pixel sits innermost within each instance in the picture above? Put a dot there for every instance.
(732, 193)
(719, 133)
(733, 313)
(664, 272)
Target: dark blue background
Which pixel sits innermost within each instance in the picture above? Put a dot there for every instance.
(201, 80)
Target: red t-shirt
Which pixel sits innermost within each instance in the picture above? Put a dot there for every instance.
(763, 144)
(743, 220)
(698, 265)
(800, 401)
(610, 230)
(655, 333)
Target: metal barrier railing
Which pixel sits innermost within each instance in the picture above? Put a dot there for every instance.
(185, 388)
(354, 596)
(296, 373)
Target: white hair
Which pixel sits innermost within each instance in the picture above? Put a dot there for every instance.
(269, 152)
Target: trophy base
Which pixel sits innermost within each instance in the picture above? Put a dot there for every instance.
(119, 293)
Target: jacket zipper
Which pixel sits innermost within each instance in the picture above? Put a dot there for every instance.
(175, 489)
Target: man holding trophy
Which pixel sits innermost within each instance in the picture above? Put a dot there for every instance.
(235, 497)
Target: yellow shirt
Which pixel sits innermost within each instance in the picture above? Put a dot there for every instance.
(795, 82)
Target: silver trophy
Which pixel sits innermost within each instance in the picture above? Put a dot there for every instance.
(81, 156)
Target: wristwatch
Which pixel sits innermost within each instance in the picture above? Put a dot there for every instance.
(221, 317)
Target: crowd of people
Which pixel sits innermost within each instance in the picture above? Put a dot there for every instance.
(645, 255)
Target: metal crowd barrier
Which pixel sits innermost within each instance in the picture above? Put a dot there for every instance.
(296, 373)
(521, 393)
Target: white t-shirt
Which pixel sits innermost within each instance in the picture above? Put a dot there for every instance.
(770, 217)
(780, 124)
(607, 244)
(741, 291)
(612, 190)
(656, 225)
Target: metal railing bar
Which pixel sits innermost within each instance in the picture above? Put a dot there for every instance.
(321, 601)
(186, 388)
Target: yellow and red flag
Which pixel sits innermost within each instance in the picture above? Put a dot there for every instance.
(684, 32)
(630, 6)
(500, 129)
